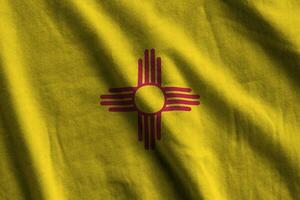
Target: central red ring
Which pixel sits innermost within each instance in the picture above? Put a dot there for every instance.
(149, 84)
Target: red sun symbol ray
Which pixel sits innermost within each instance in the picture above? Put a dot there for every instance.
(122, 99)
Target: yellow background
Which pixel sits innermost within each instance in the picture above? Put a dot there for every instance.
(242, 57)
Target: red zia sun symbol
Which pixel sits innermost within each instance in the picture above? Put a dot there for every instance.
(140, 99)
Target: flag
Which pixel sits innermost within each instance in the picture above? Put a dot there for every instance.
(149, 99)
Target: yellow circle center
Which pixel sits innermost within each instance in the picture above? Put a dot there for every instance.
(149, 99)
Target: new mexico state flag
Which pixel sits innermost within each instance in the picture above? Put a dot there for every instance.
(150, 99)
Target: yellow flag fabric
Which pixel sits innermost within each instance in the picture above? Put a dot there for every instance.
(57, 57)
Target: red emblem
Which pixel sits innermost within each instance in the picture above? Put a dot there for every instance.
(130, 99)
